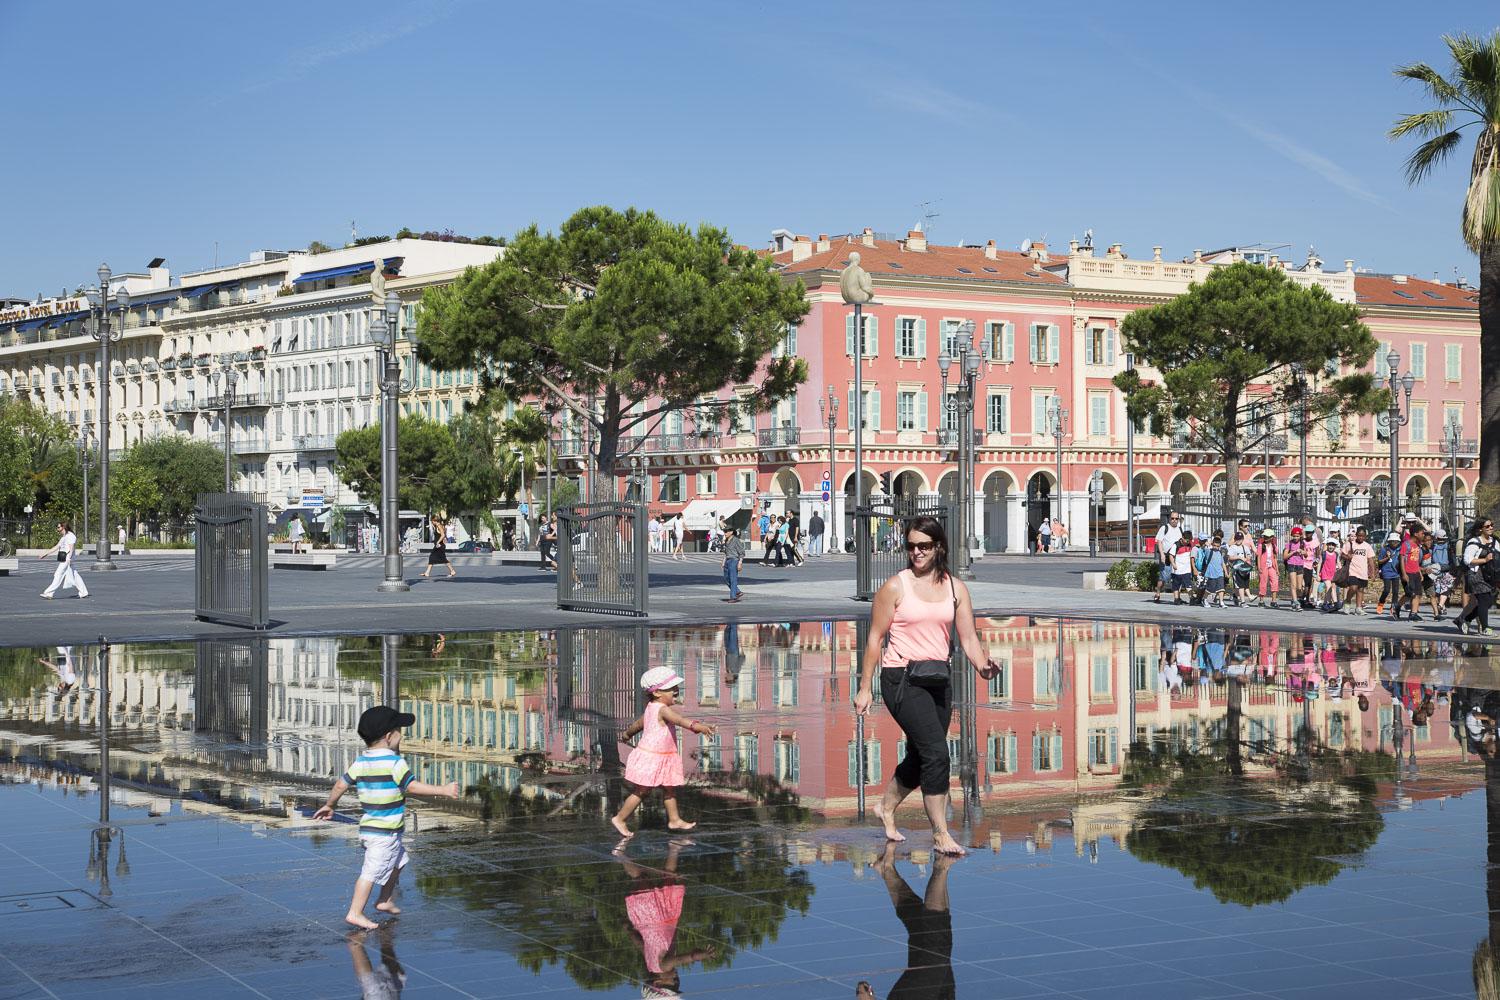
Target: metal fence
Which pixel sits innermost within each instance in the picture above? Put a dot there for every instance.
(1329, 510)
(598, 685)
(602, 552)
(879, 537)
(231, 684)
(231, 561)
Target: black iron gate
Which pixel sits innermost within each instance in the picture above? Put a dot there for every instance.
(231, 685)
(231, 556)
(880, 537)
(602, 558)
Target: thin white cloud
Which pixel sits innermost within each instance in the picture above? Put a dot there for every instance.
(304, 61)
(932, 101)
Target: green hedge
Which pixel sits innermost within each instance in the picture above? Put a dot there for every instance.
(1133, 574)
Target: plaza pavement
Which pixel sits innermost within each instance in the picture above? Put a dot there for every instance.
(151, 598)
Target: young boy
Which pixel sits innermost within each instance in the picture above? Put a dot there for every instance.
(383, 780)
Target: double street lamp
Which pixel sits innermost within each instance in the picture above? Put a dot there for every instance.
(1396, 419)
(1057, 424)
(100, 302)
(960, 405)
(828, 410)
(1299, 381)
(384, 325)
(85, 459)
(230, 377)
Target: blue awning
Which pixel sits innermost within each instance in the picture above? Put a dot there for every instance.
(201, 290)
(32, 324)
(335, 272)
(151, 300)
(59, 320)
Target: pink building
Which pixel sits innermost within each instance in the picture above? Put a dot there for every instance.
(1047, 327)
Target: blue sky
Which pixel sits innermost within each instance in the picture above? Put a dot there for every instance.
(138, 130)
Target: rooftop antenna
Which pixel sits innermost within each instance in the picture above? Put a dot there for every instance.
(216, 253)
(928, 215)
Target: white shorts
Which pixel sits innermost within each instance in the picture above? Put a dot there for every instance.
(384, 856)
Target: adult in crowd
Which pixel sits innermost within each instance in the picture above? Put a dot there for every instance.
(1044, 537)
(1480, 574)
(1166, 544)
(815, 528)
(734, 561)
(1359, 564)
(913, 620)
(546, 545)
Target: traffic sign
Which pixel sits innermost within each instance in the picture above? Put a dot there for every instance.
(312, 498)
(825, 494)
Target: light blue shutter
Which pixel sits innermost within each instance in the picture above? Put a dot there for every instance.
(1038, 415)
(1056, 742)
(922, 411)
(1088, 346)
(872, 336)
(1109, 346)
(1038, 743)
(873, 421)
(921, 338)
(1381, 368)
(1031, 344)
(1010, 342)
(1054, 345)
(1114, 746)
(1010, 753)
(849, 335)
(987, 349)
(849, 411)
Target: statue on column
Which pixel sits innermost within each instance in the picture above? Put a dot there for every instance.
(854, 283)
(377, 284)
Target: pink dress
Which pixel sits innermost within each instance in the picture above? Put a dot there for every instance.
(1270, 578)
(656, 760)
(654, 914)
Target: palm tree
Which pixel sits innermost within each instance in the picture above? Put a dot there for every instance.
(1469, 96)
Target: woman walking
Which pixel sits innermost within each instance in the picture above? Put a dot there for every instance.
(1479, 574)
(1360, 556)
(439, 554)
(912, 624)
(65, 575)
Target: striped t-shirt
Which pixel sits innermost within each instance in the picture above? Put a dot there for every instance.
(380, 777)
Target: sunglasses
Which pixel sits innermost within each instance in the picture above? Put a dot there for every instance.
(920, 546)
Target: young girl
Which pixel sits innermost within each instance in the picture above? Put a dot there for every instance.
(1298, 557)
(654, 907)
(1328, 567)
(656, 762)
(1268, 562)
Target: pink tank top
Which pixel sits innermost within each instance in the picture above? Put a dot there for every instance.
(919, 629)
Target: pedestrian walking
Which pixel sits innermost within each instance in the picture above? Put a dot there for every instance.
(1388, 561)
(1044, 541)
(1298, 561)
(674, 533)
(546, 545)
(763, 528)
(1184, 573)
(1359, 564)
(1328, 568)
(295, 531)
(1480, 575)
(794, 538)
(815, 528)
(1213, 568)
(1268, 568)
(382, 779)
(734, 562)
(66, 575)
(1166, 543)
(439, 554)
(656, 761)
(656, 529)
(1059, 535)
(1410, 559)
(914, 617)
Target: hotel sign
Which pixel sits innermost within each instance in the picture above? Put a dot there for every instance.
(43, 310)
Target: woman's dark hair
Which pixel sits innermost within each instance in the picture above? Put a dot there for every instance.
(933, 529)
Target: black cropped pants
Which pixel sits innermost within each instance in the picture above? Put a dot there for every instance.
(923, 715)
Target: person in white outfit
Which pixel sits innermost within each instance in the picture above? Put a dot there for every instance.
(66, 575)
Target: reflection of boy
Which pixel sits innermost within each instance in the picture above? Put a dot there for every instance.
(384, 983)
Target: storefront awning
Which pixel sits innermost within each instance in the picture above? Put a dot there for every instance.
(699, 515)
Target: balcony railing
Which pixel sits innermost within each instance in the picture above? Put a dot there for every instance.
(779, 437)
(254, 445)
(315, 442)
(947, 437)
(702, 441)
(239, 400)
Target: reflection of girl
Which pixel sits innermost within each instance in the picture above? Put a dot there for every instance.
(929, 933)
(654, 906)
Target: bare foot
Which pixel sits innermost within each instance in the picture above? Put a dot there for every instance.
(681, 825)
(947, 845)
(361, 921)
(889, 822)
(388, 907)
(620, 827)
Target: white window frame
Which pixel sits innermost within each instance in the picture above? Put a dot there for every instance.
(989, 412)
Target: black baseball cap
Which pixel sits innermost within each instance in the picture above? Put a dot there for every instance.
(377, 721)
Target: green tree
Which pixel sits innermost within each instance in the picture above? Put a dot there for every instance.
(477, 474)
(523, 449)
(1227, 351)
(177, 468)
(34, 446)
(425, 457)
(623, 317)
(134, 494)
(1469, 96)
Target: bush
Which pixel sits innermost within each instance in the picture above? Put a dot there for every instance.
(152, 543)
(1147, 572)
(1120, 576)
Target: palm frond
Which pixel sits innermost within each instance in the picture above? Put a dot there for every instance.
(1422, 123)
(1481, 219)
(1430, 154)
(1441, 90)
(1478, 63)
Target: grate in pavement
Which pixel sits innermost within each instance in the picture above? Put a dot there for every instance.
(41, 902)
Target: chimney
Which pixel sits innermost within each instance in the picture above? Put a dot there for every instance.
(1399, 279)
(1039, 251)
(1072, 248)
(1156, 253)
(867, 237)
(916, 241)
(161, 275)
(822, 245)
(1197, 256)
(1115, 250)
(779, 239)
(801, 249)
(989, 250)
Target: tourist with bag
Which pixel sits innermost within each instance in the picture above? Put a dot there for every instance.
(913, 621)
(1479, 578)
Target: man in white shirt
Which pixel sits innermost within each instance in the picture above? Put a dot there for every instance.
(65, 575)
(1167, 537)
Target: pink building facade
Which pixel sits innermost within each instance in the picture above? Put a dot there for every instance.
(1047, 328)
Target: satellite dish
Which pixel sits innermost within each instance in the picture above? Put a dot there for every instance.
(1025, 246)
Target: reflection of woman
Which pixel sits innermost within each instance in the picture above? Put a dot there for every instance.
(912, 621)
(654, 906)
(929, 933)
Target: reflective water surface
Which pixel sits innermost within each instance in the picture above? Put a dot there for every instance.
(1181, 813)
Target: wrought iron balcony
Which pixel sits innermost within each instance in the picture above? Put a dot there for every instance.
(947, 437)
(702, 441)
(315, 442)
(779, 437)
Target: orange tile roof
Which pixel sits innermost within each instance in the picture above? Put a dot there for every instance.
(968, 263)
(1383, 290)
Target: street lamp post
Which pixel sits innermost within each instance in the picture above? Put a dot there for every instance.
(857, 290)
(961, 405)
(1057, 420)
(828, 410)
(383, 331)
(83, 463)
(1096, 497)
(1130, 469)
(105, 333)
(1453, 433)
(231, 379)
(1299, 379)
(1396, 419)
